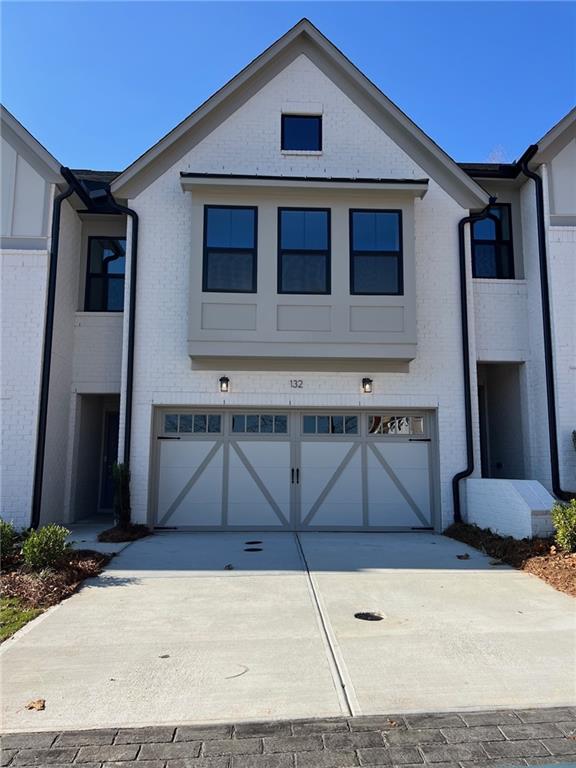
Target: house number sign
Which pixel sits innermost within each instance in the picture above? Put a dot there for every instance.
(296, 383)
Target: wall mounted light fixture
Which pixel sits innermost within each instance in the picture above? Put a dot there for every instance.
(224, 384)
(367, 386)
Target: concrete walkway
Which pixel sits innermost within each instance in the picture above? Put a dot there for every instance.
(191, 628)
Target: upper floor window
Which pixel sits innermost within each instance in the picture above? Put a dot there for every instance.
(376, 252)
(303, 250)
(229, 249)
(302, 132)
(492, 254)
(105, 274)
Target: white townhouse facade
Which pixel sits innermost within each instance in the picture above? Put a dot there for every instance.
(294, 312)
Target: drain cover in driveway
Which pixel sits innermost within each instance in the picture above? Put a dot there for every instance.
(252, 549)
(252, 542)
(369, 616)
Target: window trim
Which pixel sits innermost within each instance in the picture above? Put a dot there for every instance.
(297, 115)
(206, 249)
(399, 253)
(499, 241)
(323, 252)
(90, 274)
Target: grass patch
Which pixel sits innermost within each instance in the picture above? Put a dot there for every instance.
(14, 615)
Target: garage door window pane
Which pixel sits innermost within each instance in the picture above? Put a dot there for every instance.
(213, 423)
(389, 424)
(417, 425)
(266, 423)
(185, 422)
(171, 422)
(252, 423)
(351, 425)
(330, 425)
(199, 423)
(309, 425)
(238, 423)
(337, 425)
(281, 424)
(323, 425)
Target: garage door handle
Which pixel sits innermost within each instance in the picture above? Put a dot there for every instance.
(292, 471)
(298, 476)
(168, 438)
(419, 439)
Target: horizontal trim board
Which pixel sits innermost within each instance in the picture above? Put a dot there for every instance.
(320, 365)
(324, 179)
(189, 181)
(24, 243)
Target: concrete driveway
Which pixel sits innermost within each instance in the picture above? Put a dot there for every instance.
(171, 634)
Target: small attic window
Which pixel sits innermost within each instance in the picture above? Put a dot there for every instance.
(302, 133)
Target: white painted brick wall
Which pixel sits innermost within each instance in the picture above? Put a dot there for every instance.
(249, 142)
(23, 294)
(518, 508)
(58, 443)
(535, 427)
(500, 319)
(562, 260)
(97, 351)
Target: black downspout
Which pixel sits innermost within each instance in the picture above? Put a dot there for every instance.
(546, 326)
(131, 325)
(485, 214)
(73, 186)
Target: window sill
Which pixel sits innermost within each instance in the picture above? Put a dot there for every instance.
(304, 152)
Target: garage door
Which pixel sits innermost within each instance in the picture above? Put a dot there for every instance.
(293, 470)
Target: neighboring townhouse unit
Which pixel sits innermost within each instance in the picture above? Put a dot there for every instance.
(295, 311)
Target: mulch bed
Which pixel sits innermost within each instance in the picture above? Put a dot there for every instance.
(132, 533)
(41, 590)
(537, 556)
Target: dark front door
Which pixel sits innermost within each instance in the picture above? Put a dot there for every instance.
(109, 458)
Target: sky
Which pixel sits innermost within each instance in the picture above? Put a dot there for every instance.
(99, 82)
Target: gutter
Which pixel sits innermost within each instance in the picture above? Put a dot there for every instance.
(485, 214)
(73, 187)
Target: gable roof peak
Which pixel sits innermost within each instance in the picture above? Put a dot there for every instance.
(426, 153)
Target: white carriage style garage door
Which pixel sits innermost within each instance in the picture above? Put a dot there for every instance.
(297, 470)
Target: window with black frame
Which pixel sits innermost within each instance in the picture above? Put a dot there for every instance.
(105, 274)
(301, 133)
(229, 249)
(492, 253)
(303, 250)
(376, 252)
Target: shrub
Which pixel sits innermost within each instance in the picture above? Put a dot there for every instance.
(564, 519)
(8, 539)
(122, 510)
(46, 547)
